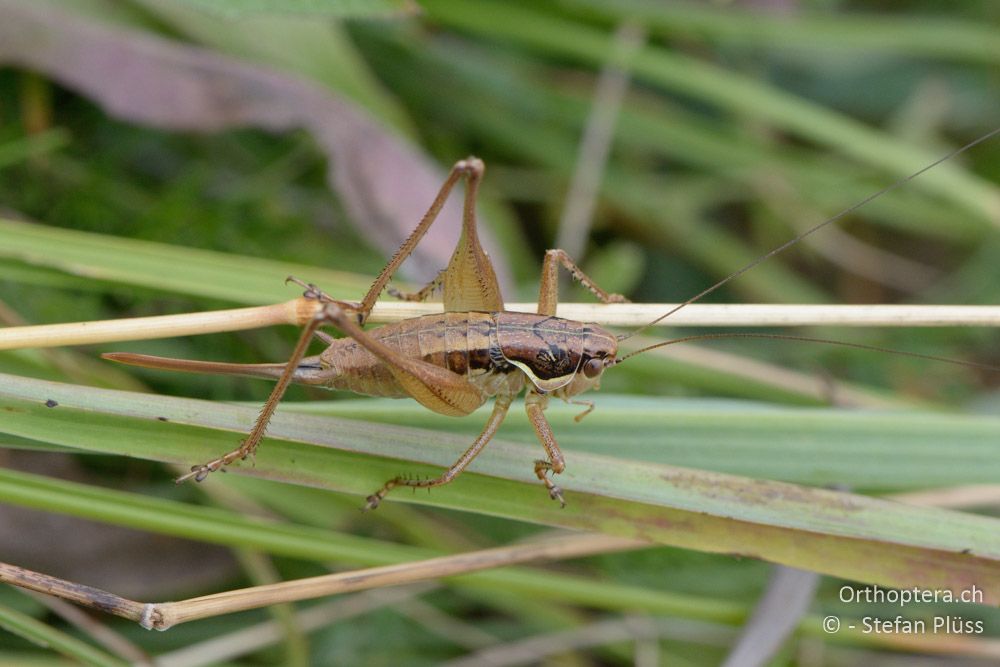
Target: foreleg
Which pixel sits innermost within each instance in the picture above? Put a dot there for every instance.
(548, 293)
(534, 405)
(422, 294)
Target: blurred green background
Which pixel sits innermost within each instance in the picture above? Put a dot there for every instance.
(741, 125)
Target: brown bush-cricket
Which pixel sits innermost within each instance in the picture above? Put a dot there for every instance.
(453, 362)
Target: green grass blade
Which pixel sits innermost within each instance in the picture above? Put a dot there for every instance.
(871, 450)
(13, 152)
(217, 526)
(924, 35)
(544, 32)
(245, 280)
(316, 9)
(835, 533)
(212, 525)
(39, 633)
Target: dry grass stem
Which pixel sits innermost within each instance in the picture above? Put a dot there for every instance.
(298, 311)
(161, 616)
(776, 315)
(87, 596)
(954, 497)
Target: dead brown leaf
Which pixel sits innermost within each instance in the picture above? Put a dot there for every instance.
(385, 183)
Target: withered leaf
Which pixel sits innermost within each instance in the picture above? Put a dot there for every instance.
(384, 182)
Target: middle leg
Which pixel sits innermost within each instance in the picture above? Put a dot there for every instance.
(500, 408)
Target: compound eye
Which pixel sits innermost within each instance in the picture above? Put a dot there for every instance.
(593, 367)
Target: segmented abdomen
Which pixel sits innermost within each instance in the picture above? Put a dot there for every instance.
(459, 342)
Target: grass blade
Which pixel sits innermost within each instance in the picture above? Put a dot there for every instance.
(546, 33)
(154, 265)
(44, 635)
(317, 9)
(835, 533)
(912, 36)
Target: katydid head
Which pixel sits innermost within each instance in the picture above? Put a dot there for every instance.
(600, 349)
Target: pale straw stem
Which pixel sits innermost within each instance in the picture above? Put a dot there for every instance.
(298, 311)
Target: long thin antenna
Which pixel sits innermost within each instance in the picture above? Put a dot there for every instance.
(807, 339)
(787, 244)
